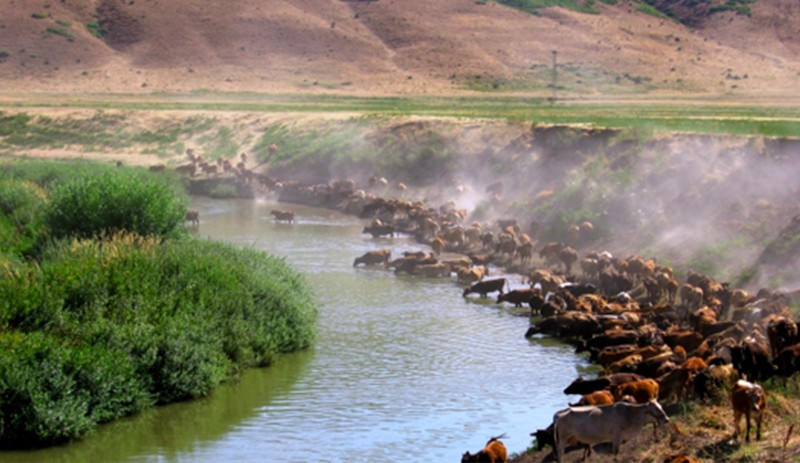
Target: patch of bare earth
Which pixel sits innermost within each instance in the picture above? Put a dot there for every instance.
(390, 47)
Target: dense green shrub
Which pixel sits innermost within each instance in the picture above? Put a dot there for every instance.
(21, 210)
(177, 316)
(118, 200)
(51, 391)
(96, 29)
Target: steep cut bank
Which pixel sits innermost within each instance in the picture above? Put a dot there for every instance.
(711, 203)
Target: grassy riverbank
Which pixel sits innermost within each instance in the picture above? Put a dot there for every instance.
(107, 306)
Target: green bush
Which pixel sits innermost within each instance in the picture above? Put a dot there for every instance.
(62, 31)
(21, 210)
(100, 329)
(47, 174)
(96, 29)
(52, 391)
(533, 6)
(104, 321)
(119, 200)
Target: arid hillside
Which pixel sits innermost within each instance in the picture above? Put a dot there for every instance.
(398, 47)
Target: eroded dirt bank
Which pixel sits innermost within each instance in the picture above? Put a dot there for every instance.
(712, 203)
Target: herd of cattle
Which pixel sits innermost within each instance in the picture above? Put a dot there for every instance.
(235, 168)
(657, 340)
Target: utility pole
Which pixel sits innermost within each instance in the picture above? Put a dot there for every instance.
(555, 76)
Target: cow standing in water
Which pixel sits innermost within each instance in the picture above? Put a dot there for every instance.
(283, 216)
(193, 217)
(485, 287)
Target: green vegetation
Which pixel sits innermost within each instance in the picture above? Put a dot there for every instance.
(92, 329)
(741, 7)
(101, 132)
(62, 31)
(533, 6)
(651, 10)
(4, 55)
(141, 205)
(40, 15)
(105, 131)
(419, 160)
(220, 144)
(96, 29)
(63, 22)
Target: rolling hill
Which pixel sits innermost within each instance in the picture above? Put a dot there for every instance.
(401, 46)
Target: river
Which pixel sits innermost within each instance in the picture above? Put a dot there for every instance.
(404, 368)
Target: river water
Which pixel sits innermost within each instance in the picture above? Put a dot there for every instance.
(404, 369)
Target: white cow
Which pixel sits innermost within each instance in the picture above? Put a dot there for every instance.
(595, 424)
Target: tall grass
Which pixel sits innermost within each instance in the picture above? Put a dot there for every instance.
(120, 200)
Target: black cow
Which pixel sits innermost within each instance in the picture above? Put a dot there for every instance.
(485, 287)
(379, 230)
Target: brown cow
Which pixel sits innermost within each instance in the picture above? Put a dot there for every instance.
(283, 216)
(782, 333)
(643, 390)
(628, 363)
(471, 274)
(431, 270)
(674, 383)
(595, 398)
(493, 452)
(747, 399)
(437, 245)
(694, 365)
(568, 257)
(517, 296)
(194, 217)
(691, 296)
(374, 258)
(681, 459)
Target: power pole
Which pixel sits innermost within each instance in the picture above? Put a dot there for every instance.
(555, 76)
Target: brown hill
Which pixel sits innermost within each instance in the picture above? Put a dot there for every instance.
(391, 46)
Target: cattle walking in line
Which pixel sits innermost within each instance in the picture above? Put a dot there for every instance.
(593, 424)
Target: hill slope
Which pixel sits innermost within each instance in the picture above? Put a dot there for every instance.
(392, 46)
